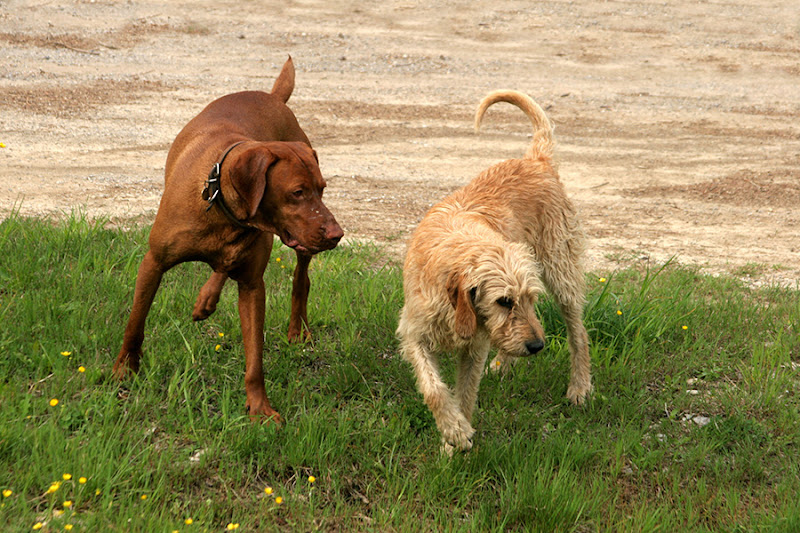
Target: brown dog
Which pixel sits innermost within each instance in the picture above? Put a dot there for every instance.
(239, 172)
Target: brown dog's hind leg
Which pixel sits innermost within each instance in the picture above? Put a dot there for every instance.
(208, 298)
(147, 282)
(298, 320)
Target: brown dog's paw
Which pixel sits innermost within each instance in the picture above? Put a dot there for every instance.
(203, 308)
(263, 414)
(299, 334)
(127, 365)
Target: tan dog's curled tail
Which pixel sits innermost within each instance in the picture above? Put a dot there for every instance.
(542, 145)
(284, 85)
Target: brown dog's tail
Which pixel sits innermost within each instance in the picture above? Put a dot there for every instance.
(542, 145)
(284, 85)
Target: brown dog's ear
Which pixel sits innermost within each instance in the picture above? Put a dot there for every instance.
(466, 321)
(248, 174)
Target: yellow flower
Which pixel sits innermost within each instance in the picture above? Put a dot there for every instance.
(268, 490)
(7, 493)
(53, 402)
(218, 347)
(54, 486)
(144, 496)
(685, 327)
(602, 280)
(188, 521)
(81, 369)
(311, 479)
(68, 527)
(221, 334)
(277, 259)
(97, 492)
(232, 526)
(67, 504)
(67, 477)
(2, 145)
(619, 312)
(279, 500)
(66, 354)
(38, 525)
(81, 480)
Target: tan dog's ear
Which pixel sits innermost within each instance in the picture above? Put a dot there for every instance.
(466, 321)
(248, 174)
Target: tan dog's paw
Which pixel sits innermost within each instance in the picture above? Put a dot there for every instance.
(458, 437)
(577, 394)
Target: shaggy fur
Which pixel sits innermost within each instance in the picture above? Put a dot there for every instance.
(475, 267)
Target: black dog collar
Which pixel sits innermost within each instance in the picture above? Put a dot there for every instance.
(212, 192)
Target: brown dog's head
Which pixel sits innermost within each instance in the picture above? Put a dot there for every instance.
(280, 187)
(499, 293)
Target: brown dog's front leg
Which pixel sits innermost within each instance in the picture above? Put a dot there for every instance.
(298, 320)
(251, 313)
(147, 282)
(208, 298)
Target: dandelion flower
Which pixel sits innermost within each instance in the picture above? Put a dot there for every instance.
(7, 493)
(67, 504)
(38, 525)
(53, 402)
(144, 496)
(311, 479)
(685, 327)
(221, 334)
(81, 369)
(232, 526)
(81, 480)
(619, 311)
(218, 347)
(602, 280)
(279, 500)
(268, 490)
(67, 477)
(277, 259)
(68, 527)
(188, 521)
(66, 354)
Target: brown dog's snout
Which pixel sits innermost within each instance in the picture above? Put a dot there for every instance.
(334, 233)
(534, 346)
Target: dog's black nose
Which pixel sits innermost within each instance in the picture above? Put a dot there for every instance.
(534, 346)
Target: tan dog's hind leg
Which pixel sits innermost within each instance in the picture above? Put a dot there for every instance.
(208, 298)
(565, 281)
(453, 425)
(470, 371)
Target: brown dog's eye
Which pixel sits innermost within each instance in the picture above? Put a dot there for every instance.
(508, 303)
(298, 193)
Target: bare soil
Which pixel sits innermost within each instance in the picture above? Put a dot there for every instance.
(678, 123)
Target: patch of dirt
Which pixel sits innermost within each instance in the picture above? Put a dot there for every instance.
(678, 124)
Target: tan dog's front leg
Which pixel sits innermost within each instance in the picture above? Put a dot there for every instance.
(208, 298)
(453, 425)
(470, 369)
(251, 314)
(147, 281)
(298, 320)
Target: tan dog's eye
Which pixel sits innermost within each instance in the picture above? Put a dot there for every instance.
(508, 303)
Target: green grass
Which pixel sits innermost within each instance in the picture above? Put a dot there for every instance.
(632, 459)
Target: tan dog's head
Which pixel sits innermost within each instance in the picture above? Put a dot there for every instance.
(499, 292)
(280, 186)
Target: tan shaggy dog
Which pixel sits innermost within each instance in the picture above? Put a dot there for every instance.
(475, 267)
